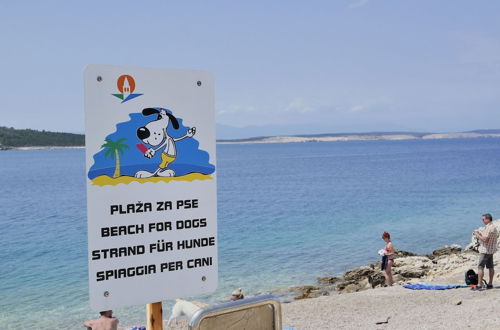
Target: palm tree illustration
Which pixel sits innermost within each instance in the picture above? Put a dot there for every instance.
(114, 149)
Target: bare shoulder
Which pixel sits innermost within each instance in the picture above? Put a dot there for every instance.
(89, 323)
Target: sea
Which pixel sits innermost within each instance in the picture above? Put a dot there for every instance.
(287, 214)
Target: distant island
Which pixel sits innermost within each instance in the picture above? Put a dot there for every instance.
(332, 137)
(11, 138)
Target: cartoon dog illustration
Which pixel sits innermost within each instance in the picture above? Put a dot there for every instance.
(155, 134)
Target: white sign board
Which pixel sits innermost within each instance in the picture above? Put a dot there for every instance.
(151, 184)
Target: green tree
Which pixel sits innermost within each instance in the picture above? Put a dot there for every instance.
(113, 150)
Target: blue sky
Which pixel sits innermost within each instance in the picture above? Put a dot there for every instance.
(285, 66)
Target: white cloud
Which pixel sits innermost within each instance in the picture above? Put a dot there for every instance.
(370, 105)
(357, 108)
(298, 105)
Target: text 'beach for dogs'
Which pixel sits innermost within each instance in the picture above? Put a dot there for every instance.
(151, 185)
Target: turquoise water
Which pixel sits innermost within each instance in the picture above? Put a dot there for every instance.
(288, 213)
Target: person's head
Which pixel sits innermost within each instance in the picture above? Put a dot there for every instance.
(386, 236)
(237, 294)
(107, 313)
(487, 218)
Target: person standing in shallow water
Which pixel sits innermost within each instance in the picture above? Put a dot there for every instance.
(387, 258)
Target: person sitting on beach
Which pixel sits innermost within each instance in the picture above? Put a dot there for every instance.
(237, 294)
(105, 322)
(487, 247)
(387, 258)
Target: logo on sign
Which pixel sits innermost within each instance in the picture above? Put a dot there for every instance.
(126, 86)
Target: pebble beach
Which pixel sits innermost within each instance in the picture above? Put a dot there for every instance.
(373, 306)
(358, 300)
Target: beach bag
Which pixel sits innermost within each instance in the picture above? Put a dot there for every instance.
(471, 277)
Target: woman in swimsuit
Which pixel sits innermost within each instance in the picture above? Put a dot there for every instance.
(388, 258)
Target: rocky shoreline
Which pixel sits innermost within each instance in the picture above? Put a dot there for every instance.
(391, 306)
(408, 268)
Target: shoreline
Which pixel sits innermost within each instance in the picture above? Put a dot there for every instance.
(358, 137)
(409, 268)
(41, 148)
(361, 293)
(399, 308)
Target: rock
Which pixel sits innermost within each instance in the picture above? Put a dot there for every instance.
(308, 291)
(325, 293)
(305, 296)
(358, 274)
(307, 288)
(341, 286)
(402, 253)
(378, 280)
(457, 302)
(396, 278)
(351, 288)
(412, 266)
(409, 272)
(329, 280)
(412, 261)
(364, 284)
(446, 250)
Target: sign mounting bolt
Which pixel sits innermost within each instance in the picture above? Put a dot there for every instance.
(99, 78)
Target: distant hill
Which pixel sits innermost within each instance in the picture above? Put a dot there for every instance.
(366, 137)
(14, 138)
